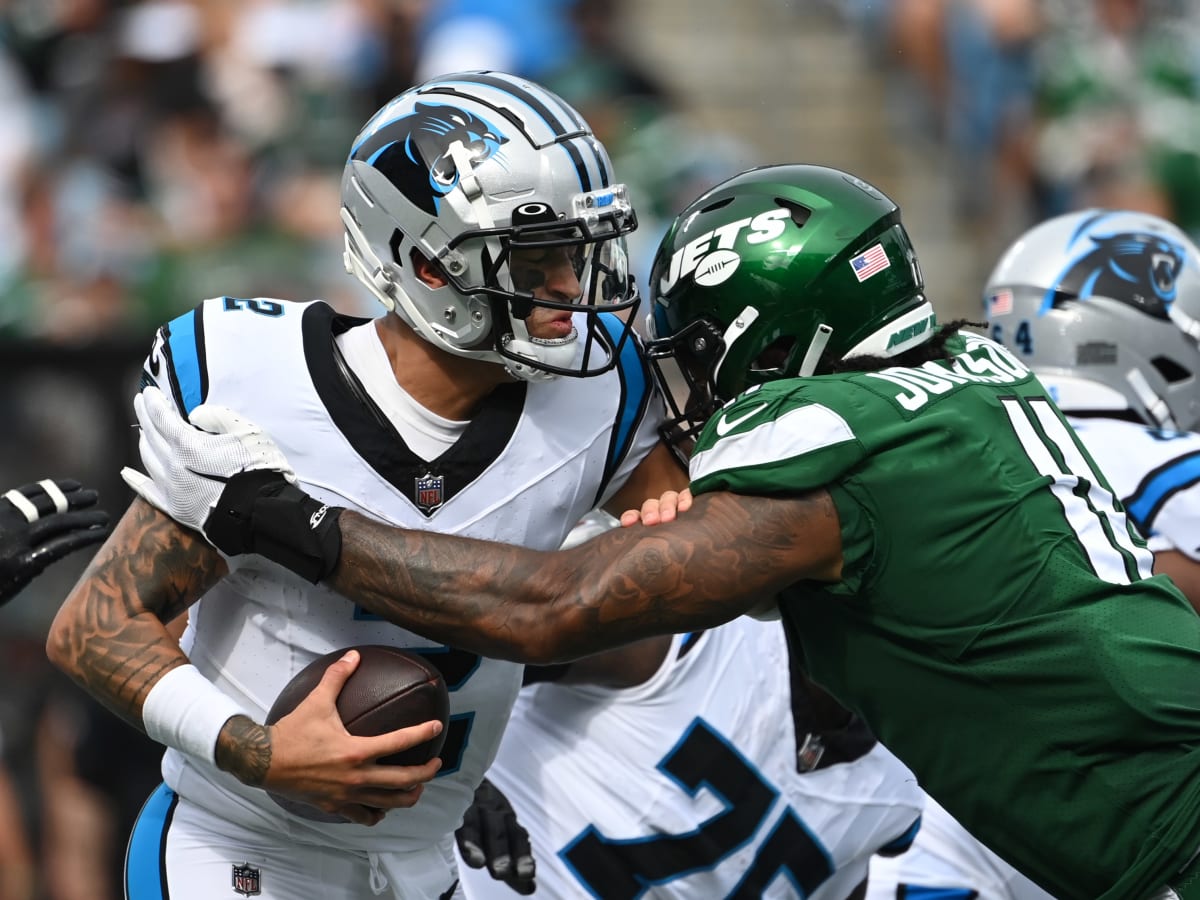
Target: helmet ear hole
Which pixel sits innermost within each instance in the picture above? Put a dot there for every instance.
(799, 213)
(394, 244)
(1172, 371)
(775, 356)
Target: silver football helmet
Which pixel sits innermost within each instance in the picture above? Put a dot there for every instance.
(1104, 306)
(504, 187)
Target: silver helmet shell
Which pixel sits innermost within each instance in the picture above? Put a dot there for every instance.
(1104, 307)
(465, 170)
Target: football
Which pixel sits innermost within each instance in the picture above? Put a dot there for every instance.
(391, 688)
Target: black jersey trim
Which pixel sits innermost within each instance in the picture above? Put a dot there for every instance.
(827, 733)
(376, 440)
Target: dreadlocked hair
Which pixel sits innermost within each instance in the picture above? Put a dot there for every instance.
(929, 351)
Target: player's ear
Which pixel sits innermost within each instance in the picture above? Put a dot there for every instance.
(427, 270)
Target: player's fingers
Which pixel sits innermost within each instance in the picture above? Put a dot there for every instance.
(154, 412)
(472, 853)
(56, 548)
(154, 439)
(335, 677)
(49, 496)
(518, 842)
(496, 844)
(684, 502)
(468, 837)
(648, 514)
(668, 503)
(53, 526)
(143, 485)
(391, 742)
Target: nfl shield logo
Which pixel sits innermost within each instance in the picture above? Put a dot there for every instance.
(246, 880)
(430, 491)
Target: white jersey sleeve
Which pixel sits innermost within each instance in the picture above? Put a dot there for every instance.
(1157, 476)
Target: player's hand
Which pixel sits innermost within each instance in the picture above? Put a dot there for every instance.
(190, 462)
(659, 509)
(221, 475)
(314, 759)
(41, 523)
(491, 835)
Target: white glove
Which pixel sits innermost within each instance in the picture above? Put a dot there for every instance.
(189, 462)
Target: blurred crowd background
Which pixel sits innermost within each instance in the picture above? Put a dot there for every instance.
(156, 153)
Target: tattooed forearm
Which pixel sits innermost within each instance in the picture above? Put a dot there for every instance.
(244, 750)
(713, 563)
(110, 634)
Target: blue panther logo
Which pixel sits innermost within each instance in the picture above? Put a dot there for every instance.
(414, 150)
(1137, 268)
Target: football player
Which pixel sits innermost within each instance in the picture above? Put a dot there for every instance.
(701, 764)
(947, 557)
(500, 396)
(1099, 304)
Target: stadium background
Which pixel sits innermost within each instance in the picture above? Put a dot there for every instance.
(156, 153)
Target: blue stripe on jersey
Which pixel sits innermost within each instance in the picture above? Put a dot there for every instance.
(899, 845)
(145, 866)
(1159, 486)
(917, 892)
(185, 359)
(633, 377)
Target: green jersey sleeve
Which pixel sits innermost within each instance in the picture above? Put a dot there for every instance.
(776, 439)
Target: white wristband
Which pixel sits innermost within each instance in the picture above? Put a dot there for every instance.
(186, 711)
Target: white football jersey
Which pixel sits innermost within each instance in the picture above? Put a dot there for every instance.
(528, 466)
(686, 786)
(946, 863)
(1155, 473)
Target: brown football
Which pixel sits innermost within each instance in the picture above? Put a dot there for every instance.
(391, 688)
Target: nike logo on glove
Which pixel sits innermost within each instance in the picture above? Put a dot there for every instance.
(726, 424)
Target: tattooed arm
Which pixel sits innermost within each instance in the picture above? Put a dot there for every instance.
(705, 568)
(110, 636)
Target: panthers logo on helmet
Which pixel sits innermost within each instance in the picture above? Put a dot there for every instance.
(414, 150)
(1138, 268)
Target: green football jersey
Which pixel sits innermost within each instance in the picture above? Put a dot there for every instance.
(996, 624)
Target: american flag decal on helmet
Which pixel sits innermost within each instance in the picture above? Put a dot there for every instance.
(246, 880)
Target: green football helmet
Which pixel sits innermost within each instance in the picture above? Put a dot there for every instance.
(775, 273)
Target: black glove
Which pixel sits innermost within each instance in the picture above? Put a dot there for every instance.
(260, 511)
(490, 834)
(33, 533)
